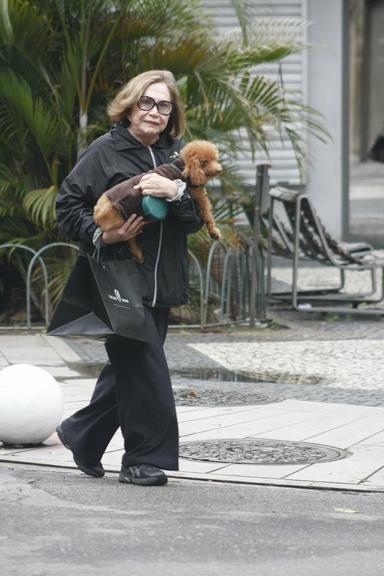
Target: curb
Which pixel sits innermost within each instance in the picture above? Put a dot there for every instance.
(334, 487)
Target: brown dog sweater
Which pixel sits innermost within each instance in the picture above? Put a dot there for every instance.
(127, 200)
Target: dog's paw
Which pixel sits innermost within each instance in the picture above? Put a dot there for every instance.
(215, 234)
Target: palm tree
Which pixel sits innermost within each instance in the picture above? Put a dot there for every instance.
(62, 60)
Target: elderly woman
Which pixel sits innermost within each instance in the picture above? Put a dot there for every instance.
(134, 389)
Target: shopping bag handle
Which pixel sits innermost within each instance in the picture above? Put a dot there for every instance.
(97, 255)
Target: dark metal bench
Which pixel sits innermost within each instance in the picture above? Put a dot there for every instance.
(299, 234)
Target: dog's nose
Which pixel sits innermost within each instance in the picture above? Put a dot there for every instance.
(218, 169)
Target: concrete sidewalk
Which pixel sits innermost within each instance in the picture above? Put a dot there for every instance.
(321, 395)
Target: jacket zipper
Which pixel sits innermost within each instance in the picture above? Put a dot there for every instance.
(160, 241)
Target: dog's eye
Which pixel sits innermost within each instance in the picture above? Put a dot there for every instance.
(204, 162)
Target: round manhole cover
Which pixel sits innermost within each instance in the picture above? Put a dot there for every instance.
(208, 396)
(259, 451)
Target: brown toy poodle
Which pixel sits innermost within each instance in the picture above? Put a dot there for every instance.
(197, 163)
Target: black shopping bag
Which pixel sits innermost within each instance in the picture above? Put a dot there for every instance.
(121, 302)
(90, 307)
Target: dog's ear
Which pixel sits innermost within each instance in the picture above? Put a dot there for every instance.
(194, 171)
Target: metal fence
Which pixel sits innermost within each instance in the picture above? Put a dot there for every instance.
(230, 286)
(223, 285)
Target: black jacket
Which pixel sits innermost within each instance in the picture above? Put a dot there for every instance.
(110, 159)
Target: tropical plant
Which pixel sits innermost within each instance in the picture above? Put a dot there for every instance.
(62, 60)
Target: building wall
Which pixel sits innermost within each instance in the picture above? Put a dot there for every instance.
(376, 68)
(319, 76)
(327, 91)
(290, 72)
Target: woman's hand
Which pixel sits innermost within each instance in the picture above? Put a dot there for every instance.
(156, 185)
(131, 228)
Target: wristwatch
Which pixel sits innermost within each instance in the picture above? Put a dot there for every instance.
(181, 186)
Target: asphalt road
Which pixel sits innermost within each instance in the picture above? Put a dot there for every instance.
(60, 522)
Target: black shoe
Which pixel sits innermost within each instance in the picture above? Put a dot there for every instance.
(95, 470)
(143, 475)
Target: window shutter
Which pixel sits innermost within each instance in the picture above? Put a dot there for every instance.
(290, 72)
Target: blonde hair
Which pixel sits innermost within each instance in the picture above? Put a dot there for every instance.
(129, 95)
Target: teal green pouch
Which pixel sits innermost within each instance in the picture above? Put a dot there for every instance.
(154, 208)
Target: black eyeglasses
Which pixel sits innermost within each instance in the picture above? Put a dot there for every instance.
(164, 107)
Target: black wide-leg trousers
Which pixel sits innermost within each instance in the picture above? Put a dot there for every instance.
(134, 392)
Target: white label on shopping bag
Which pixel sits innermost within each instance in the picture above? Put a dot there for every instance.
(118, 298)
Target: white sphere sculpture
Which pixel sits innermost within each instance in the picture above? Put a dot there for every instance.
(31, 404)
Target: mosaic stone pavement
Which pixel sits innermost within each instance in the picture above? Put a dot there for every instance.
(356, 364)
(303, 358)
